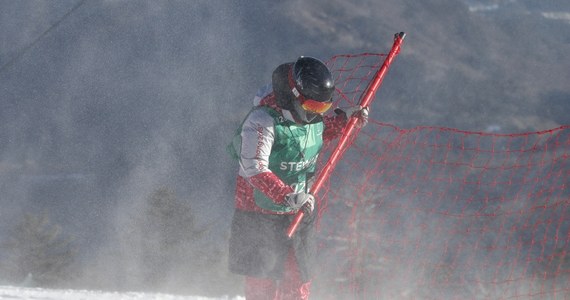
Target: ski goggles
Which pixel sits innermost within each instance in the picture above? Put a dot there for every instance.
(314, 106)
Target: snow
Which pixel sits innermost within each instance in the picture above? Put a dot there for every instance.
(563, 16)
(480, 7)
(22, 293)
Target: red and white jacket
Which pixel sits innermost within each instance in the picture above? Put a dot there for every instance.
(256, 148)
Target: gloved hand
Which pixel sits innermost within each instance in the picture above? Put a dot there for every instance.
(301, 200)
(356, 111)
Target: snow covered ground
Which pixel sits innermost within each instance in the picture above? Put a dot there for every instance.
(20, 293)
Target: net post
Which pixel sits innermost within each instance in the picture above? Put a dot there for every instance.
(366, 99)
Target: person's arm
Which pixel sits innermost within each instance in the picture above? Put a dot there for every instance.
(335, 124)
(257, 139)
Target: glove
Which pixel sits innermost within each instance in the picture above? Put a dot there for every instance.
(355, 111)
(301, 200)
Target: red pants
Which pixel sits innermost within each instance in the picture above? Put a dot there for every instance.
(289, 288)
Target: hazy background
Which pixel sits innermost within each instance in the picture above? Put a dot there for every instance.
(104, 101)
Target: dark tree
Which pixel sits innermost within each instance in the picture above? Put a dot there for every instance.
(37, 252)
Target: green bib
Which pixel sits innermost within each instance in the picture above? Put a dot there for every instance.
(293, 155)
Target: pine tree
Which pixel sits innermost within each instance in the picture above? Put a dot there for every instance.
(161, 247)
(37, 252)
(169, 240)
(165, 227)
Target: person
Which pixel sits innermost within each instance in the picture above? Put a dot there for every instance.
(277, 148)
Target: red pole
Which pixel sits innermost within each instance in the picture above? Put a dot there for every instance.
(365, 101)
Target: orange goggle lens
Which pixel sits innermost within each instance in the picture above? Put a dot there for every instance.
(316, 106)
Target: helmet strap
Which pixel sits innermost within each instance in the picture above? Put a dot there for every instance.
(293, 86)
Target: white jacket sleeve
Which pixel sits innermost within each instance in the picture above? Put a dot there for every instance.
(256, 141)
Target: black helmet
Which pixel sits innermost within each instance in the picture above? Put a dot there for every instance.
(313, 79)
(312, 84)
(280, 80)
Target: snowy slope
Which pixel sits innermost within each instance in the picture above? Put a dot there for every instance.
(20, 293)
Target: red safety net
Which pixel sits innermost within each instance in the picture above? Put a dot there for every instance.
(441, 213)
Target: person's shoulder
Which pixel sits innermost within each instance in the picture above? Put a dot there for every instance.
(261, 93)
(260, 116)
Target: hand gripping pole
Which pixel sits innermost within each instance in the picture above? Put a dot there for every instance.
(365, 100)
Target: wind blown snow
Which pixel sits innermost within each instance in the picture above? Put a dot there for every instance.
(22, 293)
